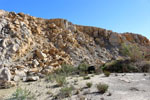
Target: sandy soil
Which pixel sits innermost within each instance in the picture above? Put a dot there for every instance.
(127, 86)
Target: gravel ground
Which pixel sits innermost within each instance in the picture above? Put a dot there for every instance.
(127, 86)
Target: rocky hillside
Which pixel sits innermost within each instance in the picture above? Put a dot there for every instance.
(36, 45)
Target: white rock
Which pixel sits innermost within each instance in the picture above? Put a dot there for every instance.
(16, 78)
(35, 62)
(31, 78)
(20, 74)
(15, 47)
(5, 74)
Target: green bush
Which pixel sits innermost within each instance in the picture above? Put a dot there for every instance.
(102, 88)
(86, 77)
(66, 69)
(60, 79)
(132, 51)
(22, 94)
(89, 84)
(82, 69)
(119, 66)
(107, 73)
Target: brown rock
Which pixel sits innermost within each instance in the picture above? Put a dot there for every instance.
(41, 55)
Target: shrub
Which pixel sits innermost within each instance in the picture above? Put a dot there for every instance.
(66, 91)
(102, 88)
(83, 69)
(22, 94)
(60, 79)
(107, 73)
(86, 77)
(66, 69)
(50, 77)
(143, 66)
(119, 66)
(89, 84)
(132, 51)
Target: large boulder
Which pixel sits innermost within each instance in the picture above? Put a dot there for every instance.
(5, 74)
(114, 39)
(5, 78)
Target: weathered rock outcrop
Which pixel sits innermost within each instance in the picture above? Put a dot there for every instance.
(36, 45)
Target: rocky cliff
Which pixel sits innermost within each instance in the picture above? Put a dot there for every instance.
(38, 45)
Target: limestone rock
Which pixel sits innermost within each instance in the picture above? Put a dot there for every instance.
(5, 74)
(114, 39)
(16, 78)
(41, 55)
(30, 78)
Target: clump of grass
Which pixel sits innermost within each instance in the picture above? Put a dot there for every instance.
(66, 69)
(66, 91)
(86, 77)
(22, 94)
(107, 73)
(50, 77)
(102, 88)
(89, 84)
(60, 79)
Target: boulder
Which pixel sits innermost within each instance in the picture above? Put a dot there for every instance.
(5, 74)
(114, 39)
(30, 78)
(5, 78)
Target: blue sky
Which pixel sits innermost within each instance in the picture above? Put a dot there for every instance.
(117, 15)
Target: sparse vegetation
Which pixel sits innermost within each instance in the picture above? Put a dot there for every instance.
(66, 69)
(66, 91)
(89, 84)
(102, 88)
(107, 73)
(22, 94)
(60, 79)
(86, 77)
(119, 66)
(132, 51)
(83, 69)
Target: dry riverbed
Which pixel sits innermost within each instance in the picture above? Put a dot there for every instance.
(129, 86)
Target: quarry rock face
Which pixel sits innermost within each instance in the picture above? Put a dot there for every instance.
(35, 45)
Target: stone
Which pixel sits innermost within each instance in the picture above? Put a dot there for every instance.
(20, 73)
(41, 75)
(114, 39)
(30, 78)
(3, 13)
(35, 62)
(16, 78)
(41, 55)
(15, 47)
(5, 74)
(52, 26)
